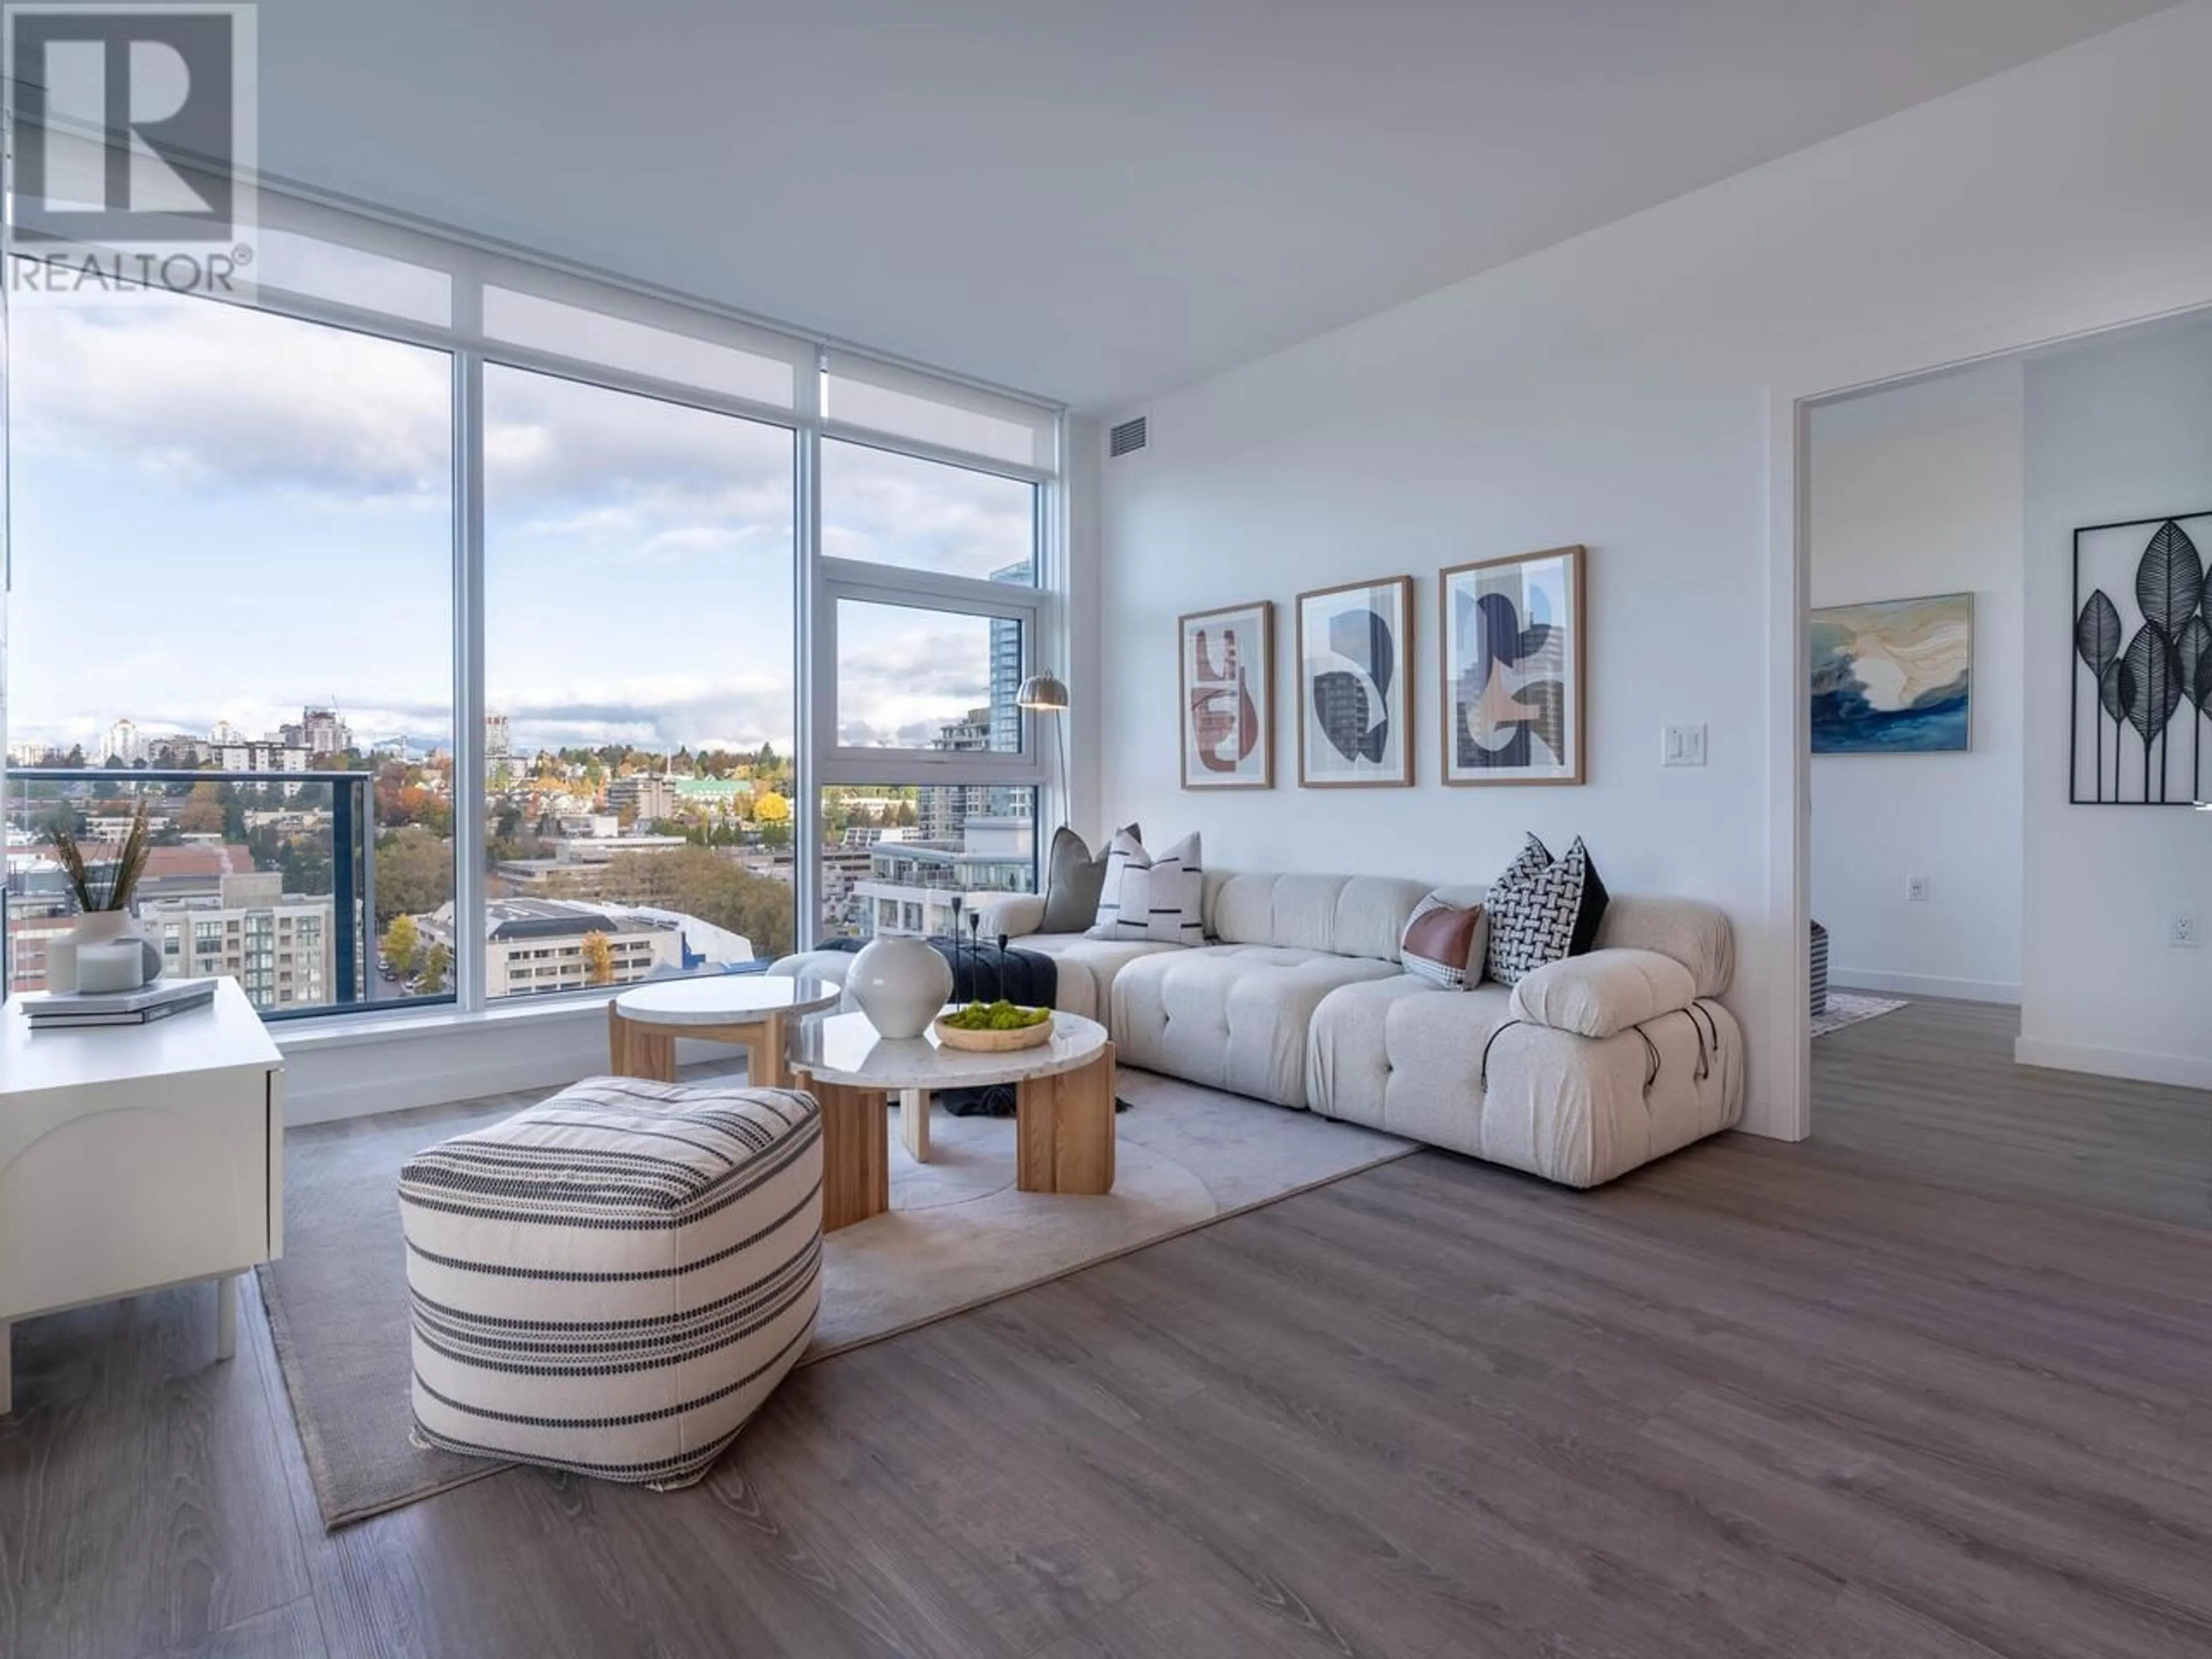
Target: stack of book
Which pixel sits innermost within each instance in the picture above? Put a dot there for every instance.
(64, 1010)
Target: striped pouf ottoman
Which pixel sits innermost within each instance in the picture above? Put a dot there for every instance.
(614, 1281)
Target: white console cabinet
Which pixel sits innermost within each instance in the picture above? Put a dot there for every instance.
(136, 1157)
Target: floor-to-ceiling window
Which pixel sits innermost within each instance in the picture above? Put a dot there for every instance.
(640, 574)
(929, 806)
(231, 607)
(476, 629)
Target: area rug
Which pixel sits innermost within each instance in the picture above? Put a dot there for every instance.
(958, 1233)
(1849, 1008)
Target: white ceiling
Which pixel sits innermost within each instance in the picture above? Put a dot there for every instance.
(1093, 201)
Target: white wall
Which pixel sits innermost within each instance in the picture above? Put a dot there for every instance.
(2117, 430)
(1614, 391)
(1919, 489)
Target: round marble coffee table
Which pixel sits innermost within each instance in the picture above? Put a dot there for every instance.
(755, 1010)
(1063, 1106)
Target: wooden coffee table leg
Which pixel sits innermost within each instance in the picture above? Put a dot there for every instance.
(856, 1154)
(1064, 1130)
(765, 1066)
(914, 1122)
(636, 1049)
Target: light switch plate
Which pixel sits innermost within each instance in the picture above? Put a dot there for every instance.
(1682, 745)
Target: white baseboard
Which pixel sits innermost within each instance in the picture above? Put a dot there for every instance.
(2184, 1071)
(1924, 985)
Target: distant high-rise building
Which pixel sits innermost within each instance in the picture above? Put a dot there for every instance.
(498, 738)
(317, 730)
(942, 810)
(123, 744)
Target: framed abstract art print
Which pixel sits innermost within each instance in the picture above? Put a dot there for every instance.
(1355, 684)
(1228, 697)
(1511, 636)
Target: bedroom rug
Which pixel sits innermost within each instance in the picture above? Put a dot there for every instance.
(1850, 1008)
(958, 1233)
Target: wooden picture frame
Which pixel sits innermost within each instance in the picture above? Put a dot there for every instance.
(1484, 627)
(1226, 697)
(1355, 679)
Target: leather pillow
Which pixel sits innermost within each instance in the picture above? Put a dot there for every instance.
(1444, 943)
(1072, 881)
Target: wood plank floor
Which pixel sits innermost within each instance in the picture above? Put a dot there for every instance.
(1756, 1400)
(1933, 1088)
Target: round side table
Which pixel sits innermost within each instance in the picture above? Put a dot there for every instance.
(754, 1010)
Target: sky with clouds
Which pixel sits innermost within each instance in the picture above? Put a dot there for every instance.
(220, 514)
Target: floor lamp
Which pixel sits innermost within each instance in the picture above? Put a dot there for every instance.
(1047, 693)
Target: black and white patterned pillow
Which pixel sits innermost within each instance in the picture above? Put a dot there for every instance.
(1158, 899)
(1541, 910)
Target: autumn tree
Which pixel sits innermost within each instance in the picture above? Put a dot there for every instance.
(700, 882)
(598, 958)
(402, 943)
(437, 967)
(202, 813)
(413, 872)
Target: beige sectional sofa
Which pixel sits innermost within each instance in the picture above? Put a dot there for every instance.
(1584, 1070)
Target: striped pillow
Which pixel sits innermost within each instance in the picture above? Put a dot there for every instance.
(1159, 899)
(614, 1281)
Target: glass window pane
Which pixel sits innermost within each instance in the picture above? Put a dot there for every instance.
(913, 678)
(895, 509)
(868, 394)
(894, 858)
(595, 337)
(354, 276)
(639, 577)
(205, 472)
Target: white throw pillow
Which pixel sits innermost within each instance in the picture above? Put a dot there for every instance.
(1159, 899)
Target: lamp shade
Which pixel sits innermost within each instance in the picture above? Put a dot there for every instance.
(1042, 691)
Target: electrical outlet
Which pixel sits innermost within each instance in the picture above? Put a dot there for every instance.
(1915, 889)
(2184, 931)
(1682, 745)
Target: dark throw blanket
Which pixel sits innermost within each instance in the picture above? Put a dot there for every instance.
(984, 973)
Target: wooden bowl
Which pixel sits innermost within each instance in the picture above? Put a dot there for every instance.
(993, 1043)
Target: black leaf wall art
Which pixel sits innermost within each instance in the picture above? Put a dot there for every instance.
(2140, 681)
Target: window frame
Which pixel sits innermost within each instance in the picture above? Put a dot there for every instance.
(472, 264)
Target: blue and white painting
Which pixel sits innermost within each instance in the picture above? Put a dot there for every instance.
(1893, 678)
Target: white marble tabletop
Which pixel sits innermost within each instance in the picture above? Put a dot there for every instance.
(846, 1049)
(725, 998)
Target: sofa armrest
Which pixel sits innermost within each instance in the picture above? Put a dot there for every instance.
(1016, 916)
(1603, 991)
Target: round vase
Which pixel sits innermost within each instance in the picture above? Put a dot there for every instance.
(900, 984)
(97, 928)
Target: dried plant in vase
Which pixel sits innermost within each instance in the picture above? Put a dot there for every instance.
(109, 885)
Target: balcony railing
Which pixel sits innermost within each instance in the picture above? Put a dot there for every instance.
(268, 878)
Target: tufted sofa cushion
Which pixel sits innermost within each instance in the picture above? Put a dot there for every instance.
(1344, 915)
(1405, 1057)
(1603, 990)
(1088, 967)
(1231, 1017)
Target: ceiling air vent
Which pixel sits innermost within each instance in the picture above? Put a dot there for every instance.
(1126, 438)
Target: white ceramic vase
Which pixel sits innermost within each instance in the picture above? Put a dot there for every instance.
(901, 985)
(95, 928)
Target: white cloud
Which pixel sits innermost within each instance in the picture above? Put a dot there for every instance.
(243, 404)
